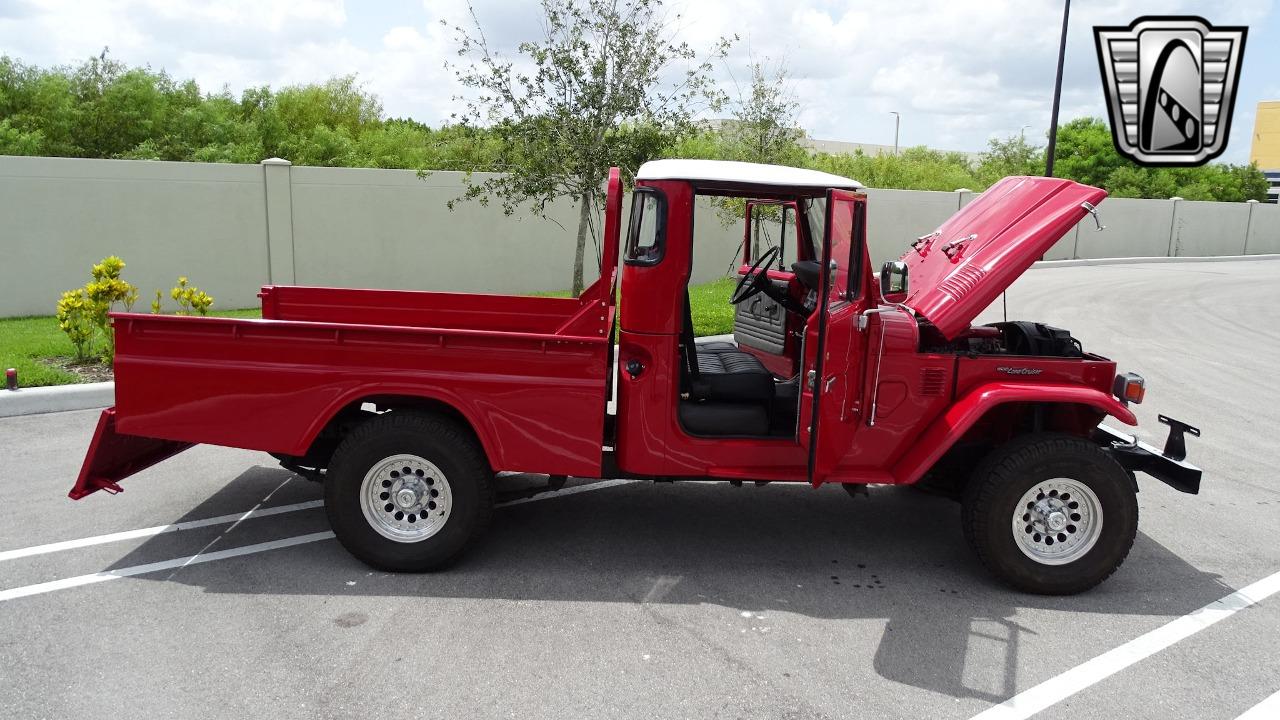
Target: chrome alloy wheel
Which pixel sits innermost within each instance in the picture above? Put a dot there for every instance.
(1057, 521)
(406, 498)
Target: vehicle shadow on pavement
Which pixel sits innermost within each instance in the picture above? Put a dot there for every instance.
(897, 556)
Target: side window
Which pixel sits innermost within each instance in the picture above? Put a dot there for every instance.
(855, 251)
(647, 233)
(773, 225)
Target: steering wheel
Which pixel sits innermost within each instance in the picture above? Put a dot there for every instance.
(757, 278)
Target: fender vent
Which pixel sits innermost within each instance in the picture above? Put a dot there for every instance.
(962, 282)
(933, 381)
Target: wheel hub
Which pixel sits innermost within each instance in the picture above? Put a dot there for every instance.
(406, 498)
(1057, 521)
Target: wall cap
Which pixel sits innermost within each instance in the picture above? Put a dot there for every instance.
(275, 161)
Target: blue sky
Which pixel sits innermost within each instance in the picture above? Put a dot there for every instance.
(959, 72)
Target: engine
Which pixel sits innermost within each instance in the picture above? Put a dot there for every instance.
(1014, 337)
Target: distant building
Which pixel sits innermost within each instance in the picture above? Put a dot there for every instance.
(1266, 145)
(841, 147)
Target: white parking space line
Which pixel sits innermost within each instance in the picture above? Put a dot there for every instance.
(239, 517)
(157, 530)
(1268, 709)
(203, 557)
(1055, 689)
(77, 581)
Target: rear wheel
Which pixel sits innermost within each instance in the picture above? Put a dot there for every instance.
(407, 492)
(1050, 514)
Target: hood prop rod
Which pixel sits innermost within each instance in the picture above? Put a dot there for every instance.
(1093, 210)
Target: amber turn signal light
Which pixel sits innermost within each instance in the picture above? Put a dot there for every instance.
(1129, 387)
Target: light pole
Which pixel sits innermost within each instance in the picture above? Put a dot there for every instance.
(1022, 132)
(897, 120)
(1057, 93)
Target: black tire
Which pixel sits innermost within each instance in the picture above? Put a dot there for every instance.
(1014, 469)
(436, 439)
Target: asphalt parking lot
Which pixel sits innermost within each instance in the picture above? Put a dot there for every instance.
(690, 600)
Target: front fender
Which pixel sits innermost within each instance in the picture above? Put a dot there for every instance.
(944, 432)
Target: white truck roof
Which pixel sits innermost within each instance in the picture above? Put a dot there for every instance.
(731, 171)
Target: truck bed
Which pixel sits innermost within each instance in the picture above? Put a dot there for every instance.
(407, 308)
(528, 373)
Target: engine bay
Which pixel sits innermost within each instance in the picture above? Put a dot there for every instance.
(1013, 337)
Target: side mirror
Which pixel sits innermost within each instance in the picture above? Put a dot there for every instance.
(893, 281)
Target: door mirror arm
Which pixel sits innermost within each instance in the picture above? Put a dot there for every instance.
(864, 318)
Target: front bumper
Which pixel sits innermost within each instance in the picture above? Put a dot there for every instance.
(1168, 466)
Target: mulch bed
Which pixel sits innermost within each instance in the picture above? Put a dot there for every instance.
(87, 371)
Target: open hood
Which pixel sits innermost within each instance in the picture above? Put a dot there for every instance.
(962, 267)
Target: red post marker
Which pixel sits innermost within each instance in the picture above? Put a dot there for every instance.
(11, 378)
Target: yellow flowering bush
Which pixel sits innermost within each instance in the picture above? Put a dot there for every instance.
(190, 299)
(82, 313)
(76, 319)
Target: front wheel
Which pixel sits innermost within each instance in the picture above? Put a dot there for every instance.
(1050, 513)
(407, 492)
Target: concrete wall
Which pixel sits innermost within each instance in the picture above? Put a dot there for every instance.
(895, 218)
(1208, 228)
(1264, 229)
(390, 229)
(233, 228)
(1134, 228)
(60, 216)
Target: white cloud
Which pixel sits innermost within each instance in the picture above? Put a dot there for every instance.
(958, 72)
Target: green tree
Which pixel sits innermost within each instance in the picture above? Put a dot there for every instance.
(592, 92)
(1085, 152)
(916, 168)
(764, 128)
(1010, 156)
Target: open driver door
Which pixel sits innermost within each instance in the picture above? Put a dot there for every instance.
(834, 348)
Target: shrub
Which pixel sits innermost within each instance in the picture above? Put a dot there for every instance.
(83, 312)
(190, 299)
(75, 318)
(104, 292)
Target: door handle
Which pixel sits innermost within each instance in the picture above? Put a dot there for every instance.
(634, 368)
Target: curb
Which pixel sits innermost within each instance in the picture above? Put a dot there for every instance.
(1080, 262)
(56, 398)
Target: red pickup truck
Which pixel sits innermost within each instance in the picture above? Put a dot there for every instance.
(408, 405)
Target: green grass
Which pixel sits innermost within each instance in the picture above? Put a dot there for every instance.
(26, 342)
(709, 305)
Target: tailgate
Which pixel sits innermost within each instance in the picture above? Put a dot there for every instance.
(113, 456)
